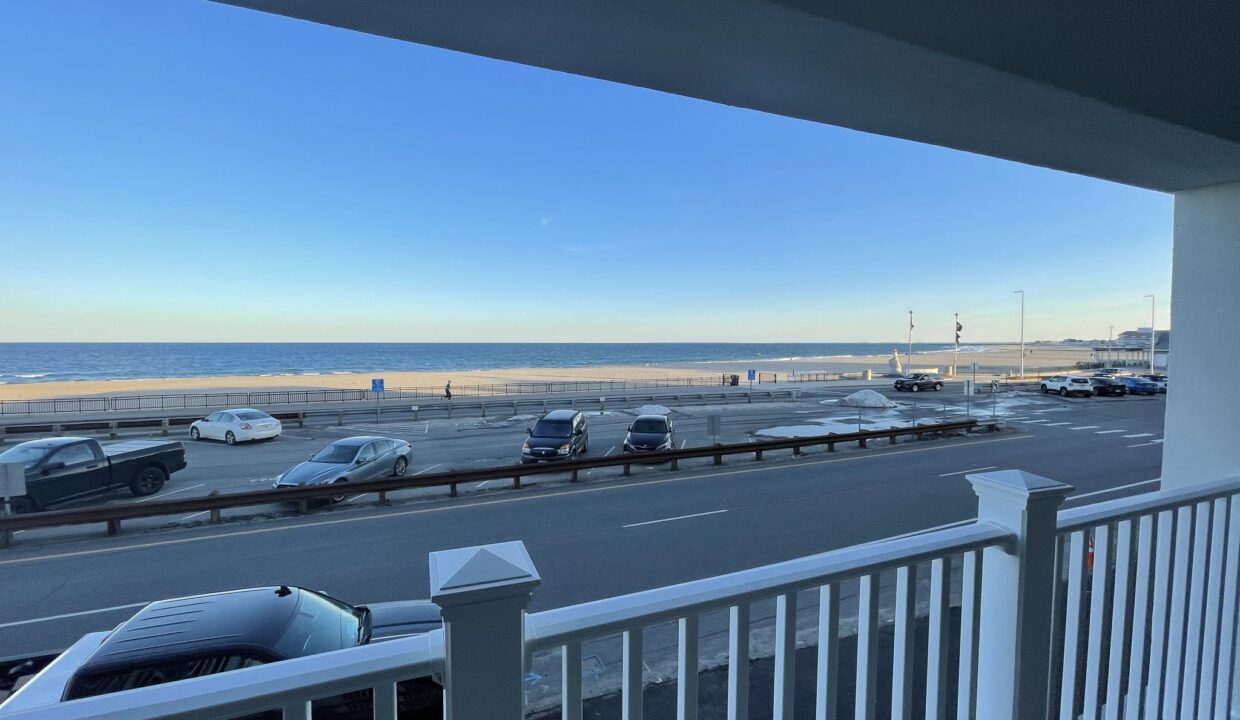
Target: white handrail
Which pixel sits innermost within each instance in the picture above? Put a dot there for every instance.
(265, 687)
(552, 628)
(1091, 516)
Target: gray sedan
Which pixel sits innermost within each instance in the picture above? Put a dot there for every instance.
(351, 459)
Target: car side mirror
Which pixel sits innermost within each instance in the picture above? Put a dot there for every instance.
(360, 461)
(529, 431)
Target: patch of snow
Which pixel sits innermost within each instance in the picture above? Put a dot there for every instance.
(516, 418)
(652, 410)
(867, 399)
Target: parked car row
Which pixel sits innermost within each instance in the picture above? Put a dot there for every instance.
(1104, 383)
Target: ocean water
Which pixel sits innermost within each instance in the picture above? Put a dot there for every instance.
(54, 362)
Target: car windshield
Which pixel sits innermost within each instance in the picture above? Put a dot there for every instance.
(553, 428)
(27, 455)
(252, 415)
(650, 426)
(319, 625)
(336, 453)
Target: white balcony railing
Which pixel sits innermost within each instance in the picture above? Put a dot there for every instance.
(1144, 627)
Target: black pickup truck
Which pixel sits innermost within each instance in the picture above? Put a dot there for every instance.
(68, 468)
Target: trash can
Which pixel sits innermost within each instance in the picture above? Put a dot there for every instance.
(736, 380)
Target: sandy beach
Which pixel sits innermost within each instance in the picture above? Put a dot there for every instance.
(991, 360)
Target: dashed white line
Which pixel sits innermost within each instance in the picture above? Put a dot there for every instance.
(1108, 432)
(1143, 444)
(1137, 435)
(1030, 422)
(678, 517)
(49, 618)
(1060, 423)
(962, 472)
(1114, 489)
(170, 492)
(1085, 427)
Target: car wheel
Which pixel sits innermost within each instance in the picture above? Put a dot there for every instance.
(1063, 392)
(938, 387)
(1044, 390)
(148, 480)
(194, 434)
(338, 498)
(401, 466)
(230, 438)
(22, 505)
(915, 388)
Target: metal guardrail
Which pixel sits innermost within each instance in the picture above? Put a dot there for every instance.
(299, 397)
(827, 376)
(213, 504)
(448, 408)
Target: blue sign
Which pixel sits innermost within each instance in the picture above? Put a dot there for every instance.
(376, 385)
(752, 375)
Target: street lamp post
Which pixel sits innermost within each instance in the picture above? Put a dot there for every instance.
(1022, 332)
(909, 357)
(1151, 297)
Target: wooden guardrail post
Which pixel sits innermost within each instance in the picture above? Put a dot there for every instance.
(628, 469)
(301, 419)
(893, 436)
(861, 442)
(111, 430)
(163, 427)
(796, 451)
(757, 454)
(57, 429)
(574, 479)
(215, 516)
(114, 526)
(516, 482)
(452, 490)
(6, 538)
(339, 418)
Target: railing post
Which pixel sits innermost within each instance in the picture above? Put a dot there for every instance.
(483, 592)
(1018, 581)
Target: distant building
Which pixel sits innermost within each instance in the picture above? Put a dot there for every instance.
(1132, 349)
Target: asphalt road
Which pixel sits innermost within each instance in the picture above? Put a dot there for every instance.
(601, 538)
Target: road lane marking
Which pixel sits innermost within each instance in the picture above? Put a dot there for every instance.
(962, 472)
(297, 437)
(640, 483)
(678, 517)
(170, 492)
(610, 451)
(1060, 423)
(1107, 432)
(1114, 489)
(1030, 422)
(49, 618)
(1157, 441)
(1140, 435)
(426, 470)
(686, 442)
(191, 517)
(1143, 444)
(1085, 427)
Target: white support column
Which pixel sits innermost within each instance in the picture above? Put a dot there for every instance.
(1203, 413)
(1014, 653)
(483, 592)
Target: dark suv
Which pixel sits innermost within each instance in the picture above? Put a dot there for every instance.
(559, 435)
(920, 382)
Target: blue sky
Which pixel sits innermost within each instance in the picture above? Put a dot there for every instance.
(181, 170)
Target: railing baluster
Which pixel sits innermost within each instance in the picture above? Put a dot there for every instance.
(867, 647)
(687, 669)
(570, 672)
(1224, 694)
(1196, 609)
(902, 653)
(970, 590)
(936, 660)
(738, 662)
(1097, 620)
(1140, 617)
(1176, 628)
(1210, 660)
(828, 651)
(297, 711)
(1072, 625)
(1159, 613)
(1119, 617)
(631, 690)
(384, 699)
(785, 654)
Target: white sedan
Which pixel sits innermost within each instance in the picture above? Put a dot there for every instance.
(234, 426)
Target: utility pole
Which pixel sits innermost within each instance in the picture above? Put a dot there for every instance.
(1022, 332)
(1151, 297)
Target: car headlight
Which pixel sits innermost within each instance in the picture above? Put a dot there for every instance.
(667, 445)
(525, 445)
(565, 448)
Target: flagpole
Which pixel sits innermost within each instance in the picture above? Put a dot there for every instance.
(909, 360)
(956, 357)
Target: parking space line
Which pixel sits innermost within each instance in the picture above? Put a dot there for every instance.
(1137, 435)
(962, 472)
(426, 470)
(610, 451)
(1030, 422)
(170, 492)
(1107, 432)
(1060, 423)
(1157, 441)
(1085, 427)
(683, 443)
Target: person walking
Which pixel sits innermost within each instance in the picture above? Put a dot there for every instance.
(447, 391)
